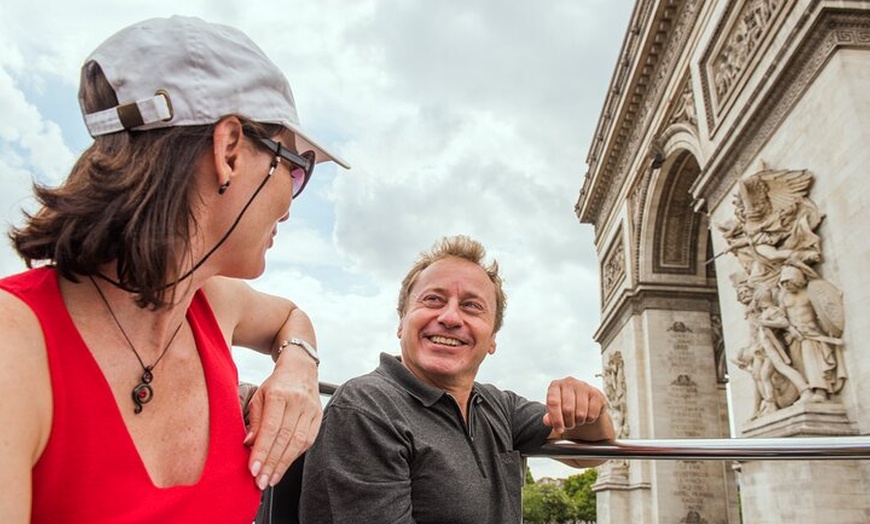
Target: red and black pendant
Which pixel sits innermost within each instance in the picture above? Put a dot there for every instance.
(142, 393)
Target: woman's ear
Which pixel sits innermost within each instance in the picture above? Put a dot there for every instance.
(227, 144)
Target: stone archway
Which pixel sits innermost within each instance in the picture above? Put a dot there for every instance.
(661, 328)
(704, 95)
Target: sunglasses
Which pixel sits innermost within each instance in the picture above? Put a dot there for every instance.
(301, 165)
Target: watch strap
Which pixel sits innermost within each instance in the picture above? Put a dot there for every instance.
(308, 348)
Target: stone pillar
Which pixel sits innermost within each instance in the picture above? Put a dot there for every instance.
(684, 398)
(675, 394)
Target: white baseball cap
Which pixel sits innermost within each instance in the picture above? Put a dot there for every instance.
(183, 71)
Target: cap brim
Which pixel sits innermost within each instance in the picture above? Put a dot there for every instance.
(304, 142)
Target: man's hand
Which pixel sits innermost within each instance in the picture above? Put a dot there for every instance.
(578, 411)
(572, 403)
(285, 415)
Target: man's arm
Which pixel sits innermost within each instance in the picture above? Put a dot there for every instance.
(578, 411)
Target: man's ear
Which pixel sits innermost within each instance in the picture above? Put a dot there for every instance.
(227, 139)
(492, 347)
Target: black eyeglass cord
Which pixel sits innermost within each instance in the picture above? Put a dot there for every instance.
(223, 239)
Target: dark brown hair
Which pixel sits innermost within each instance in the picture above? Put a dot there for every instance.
(127, 200)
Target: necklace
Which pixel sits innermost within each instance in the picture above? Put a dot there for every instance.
(142, 392)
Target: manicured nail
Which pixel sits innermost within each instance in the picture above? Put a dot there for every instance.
(262, 482)
(275, 480)
(256, 467)
(248, 438)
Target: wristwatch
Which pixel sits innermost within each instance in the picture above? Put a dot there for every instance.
(312, 352)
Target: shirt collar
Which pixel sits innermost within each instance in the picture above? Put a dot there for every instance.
(392, 368)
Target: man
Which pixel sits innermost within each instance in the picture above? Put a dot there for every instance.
(418, 440)
(817, 348)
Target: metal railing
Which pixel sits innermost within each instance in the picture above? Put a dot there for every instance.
(327, 389)
(791, 448)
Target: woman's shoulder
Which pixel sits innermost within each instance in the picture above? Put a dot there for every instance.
(17, 317)
(25, 383)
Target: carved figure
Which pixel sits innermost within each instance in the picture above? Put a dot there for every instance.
(777, 383)
(685, 107)
(813, 324)
(718, 348)
(775, 223)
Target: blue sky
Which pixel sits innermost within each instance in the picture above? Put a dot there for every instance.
(457, 117)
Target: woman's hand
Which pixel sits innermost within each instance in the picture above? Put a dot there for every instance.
(284, 414)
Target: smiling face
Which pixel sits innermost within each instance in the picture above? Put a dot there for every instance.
(447, 328)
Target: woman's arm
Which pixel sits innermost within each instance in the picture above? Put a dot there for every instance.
(285, 412)
(25, 387)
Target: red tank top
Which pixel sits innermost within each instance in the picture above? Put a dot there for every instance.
(90, 471)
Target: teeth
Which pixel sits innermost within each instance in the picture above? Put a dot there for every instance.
(446, 341)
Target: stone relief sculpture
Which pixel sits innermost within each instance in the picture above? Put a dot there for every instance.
(693, 517)
(777, 383)
(751, 24)
(684, 108)
(614, 389)
(795, 317)
(613, 269)
(812, 322)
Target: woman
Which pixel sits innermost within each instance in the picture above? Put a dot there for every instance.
(119, 392)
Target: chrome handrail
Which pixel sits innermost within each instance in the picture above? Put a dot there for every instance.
(327, 389)
(793, 448)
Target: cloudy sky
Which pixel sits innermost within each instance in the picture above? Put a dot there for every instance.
(457, 116)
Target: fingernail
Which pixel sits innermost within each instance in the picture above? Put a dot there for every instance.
(256, 467)
(275, 480)
(262, 482)
(248, 438)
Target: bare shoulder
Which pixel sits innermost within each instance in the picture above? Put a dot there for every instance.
(237, 299)
(25, 383)
(25, 387)
(227, 295)
(248, 317)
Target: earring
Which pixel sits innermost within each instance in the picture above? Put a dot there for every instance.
(223, 188)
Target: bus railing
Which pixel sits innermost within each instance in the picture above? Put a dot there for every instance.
(790, 448)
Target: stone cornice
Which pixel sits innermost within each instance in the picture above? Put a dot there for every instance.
(653, 296)
(616, 96)
(637, 88)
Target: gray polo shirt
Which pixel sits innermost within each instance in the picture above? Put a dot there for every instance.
(393, 449)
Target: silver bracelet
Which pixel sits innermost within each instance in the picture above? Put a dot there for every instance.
(301, 343)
